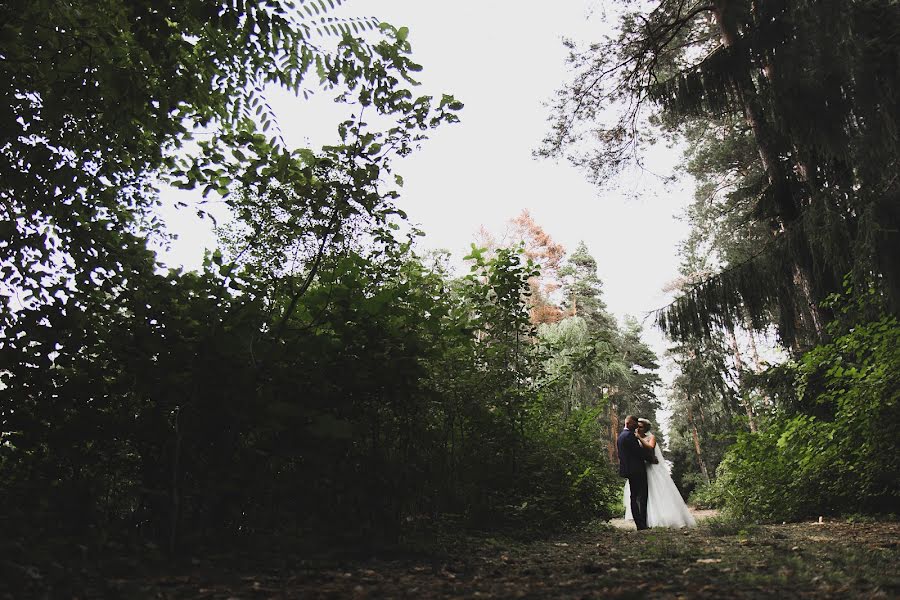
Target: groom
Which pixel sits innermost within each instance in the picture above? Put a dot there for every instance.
(632, 467)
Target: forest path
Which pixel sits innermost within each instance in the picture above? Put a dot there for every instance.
(699, 515)
(714, 560)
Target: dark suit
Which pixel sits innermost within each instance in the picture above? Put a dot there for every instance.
(633, 468)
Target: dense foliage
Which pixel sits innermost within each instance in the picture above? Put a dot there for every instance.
(786, 113)
(794, 100)
(317, 377)
(832, 449)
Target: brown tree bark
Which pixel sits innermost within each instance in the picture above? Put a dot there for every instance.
(739, 365)
(697, 450)
(613, 434)
(788, 210)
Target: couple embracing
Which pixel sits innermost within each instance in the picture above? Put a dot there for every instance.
(651, 498)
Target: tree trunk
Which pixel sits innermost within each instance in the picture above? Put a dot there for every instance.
(175, 491)
(739, 366)
(754, 352)
(697, 450)
(613, 434)
(810, 310)
(702, 414)
(788, 211)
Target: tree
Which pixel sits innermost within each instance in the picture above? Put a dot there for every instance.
(704, 407)
(547, 255)
(144, 399)
(583, 290)
(102, 101)
(610, 366)
(816, 456)
(773, 74)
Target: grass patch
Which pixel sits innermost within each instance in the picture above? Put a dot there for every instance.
(722, 526)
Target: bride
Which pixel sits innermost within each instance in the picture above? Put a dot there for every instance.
(665, 508)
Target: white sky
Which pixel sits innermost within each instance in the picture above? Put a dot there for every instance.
(503, 59)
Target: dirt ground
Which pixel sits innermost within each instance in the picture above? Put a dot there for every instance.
(718, 559)
(699, 515)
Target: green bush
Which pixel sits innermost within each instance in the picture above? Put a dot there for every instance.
(707, 495)
(840, 454)
(568, 481)
(727, 525)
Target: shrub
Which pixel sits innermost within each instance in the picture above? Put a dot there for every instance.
(841, 453)
(707, 495)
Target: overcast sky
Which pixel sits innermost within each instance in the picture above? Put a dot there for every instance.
(504, 59)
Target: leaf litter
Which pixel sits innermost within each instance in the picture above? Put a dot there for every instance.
(803, 560)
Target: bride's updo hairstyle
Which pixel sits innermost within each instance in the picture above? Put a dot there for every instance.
(646, 423)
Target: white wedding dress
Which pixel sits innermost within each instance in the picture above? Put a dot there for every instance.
(665, 508)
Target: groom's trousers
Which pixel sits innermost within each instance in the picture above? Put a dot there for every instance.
(638, 484)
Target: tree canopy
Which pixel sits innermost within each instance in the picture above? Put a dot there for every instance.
(789, 107)
(317, 378)
(786, 115)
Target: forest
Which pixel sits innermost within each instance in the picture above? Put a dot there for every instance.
(325, 382)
